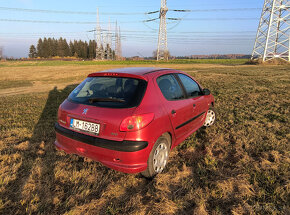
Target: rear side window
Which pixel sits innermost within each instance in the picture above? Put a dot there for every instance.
(191, 87)
(112, 92)
(169, 87)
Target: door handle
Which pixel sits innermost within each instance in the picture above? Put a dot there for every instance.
(173, 112)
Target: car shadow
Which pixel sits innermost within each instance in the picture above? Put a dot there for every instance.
(34, 178)
(41, 165)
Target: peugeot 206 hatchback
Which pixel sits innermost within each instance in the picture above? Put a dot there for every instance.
(129, 119)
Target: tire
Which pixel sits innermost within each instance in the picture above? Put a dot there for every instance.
(210, 117)
(158, 157)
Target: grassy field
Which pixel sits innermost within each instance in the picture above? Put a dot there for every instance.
(238, 166)
(122, 63)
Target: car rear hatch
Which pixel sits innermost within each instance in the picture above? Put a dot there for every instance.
(99, 104)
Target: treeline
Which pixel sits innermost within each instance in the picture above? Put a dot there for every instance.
(51, 47)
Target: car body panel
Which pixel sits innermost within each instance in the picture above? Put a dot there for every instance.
(108, 119)
(128, 162)
(190, 116)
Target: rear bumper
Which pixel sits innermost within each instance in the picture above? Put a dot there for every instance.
(124, 146)
(124, 156)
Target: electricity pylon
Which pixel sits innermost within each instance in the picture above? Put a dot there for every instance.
(118, 45)
(116, 42)
(272, 40)
(109, 42)
(162, 50)
(99, 48)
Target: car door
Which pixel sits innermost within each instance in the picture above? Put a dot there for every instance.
(197, 101)
(175, 103)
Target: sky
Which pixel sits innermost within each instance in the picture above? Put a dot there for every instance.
(212, 27)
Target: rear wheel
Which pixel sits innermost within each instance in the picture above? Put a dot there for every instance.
(158, 157)
(210, 117)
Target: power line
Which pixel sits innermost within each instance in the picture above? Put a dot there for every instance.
(149, 36)
(132, 32)
(120, 14)
(56, 22)
(218, 10)
(90, 23)
(212, 19)
(65, 12)
(204, 19)
(137, 33)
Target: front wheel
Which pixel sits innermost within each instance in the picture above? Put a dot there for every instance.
(158, 157)
(210, 117)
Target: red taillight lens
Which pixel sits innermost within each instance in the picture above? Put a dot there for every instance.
(135, 123)
(59, 113)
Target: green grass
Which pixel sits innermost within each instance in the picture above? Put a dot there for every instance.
(238, 166)
(126, 62)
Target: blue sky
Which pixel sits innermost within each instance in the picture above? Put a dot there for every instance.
(200, 32)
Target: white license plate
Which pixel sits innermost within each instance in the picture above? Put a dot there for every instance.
(85, 126)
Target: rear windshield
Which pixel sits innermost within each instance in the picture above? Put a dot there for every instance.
(112, 92)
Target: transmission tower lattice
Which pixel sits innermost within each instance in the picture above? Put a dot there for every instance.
(118, 45)
(162, 50)
(109, 42)
(272, 40)
(99, 48)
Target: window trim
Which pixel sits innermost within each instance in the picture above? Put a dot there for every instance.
(185, 96)
(183, 87)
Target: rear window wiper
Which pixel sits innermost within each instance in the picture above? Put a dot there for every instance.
(93, 100)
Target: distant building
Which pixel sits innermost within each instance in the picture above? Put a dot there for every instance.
(136, 58)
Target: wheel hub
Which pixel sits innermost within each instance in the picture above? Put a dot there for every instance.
(210, 118)
(160, 157)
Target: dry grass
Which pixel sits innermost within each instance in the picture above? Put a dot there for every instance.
(275, 61)
(238, 166)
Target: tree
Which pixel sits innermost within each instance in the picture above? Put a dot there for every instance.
(166, 55)
(154, 54)
(32, 52)
(54, 48)
(92, 49)
(39, 48)
(76, 48)
(71, 48)
(51, 47)
(84, 50)
(60, 48)
(45, 48)
(66, 50)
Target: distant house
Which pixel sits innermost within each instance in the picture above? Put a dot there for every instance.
(136, 58)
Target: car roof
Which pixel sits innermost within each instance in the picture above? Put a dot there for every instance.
(140, 71)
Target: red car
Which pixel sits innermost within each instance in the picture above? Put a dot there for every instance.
(129, 119)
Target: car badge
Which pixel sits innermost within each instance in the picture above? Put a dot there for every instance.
(85, 111)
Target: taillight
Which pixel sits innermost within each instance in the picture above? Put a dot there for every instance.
(59, 113)
(135, 123)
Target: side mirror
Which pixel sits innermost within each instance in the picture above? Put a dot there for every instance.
(206, 92)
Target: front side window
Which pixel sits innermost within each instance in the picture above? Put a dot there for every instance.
(169, 87)
(114, 92)
(191, 87)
